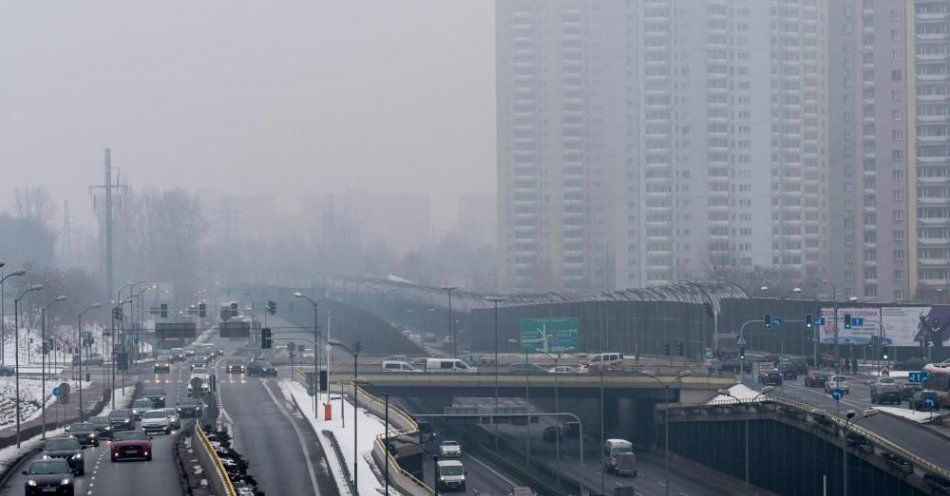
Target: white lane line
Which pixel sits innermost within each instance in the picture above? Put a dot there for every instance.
(300, 437)
(498, 474)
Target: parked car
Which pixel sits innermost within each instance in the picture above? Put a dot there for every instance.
(886, 390)
(816, 379)
(526, 369)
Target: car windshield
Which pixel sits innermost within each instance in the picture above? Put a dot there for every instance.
(49, 467)
(154, 392)
(170, 411)
(119, 414)
(142, 402)
(452, 470)
(838, 378)
(86, 427)
(62, 444)
(188, 402)
(99, 421)
(449, 443)
(130, 436)
(235, 362)
(152, 414)
(622, 449)
(887, 380)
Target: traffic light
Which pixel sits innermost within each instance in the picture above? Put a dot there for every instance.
(847, 321)
(163, 310)
(323, 381)
(742, 353)
(234, 309)
(202, 310)
(768, 321)
(681, 349)
(272, 307)
(883, 353)
(266, 340)
(808, 321)
(117, 313)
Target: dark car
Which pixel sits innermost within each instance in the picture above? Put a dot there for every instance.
(816, 379)
(734, 364)
(552, 433)
(121, 420)
(235, 366)
(131, 445)
(85, 433)
(909, 389)
(189, 408)
(798, 364)
(788, 370)
(156, 396)
(177, 355)
(7, 371)
(139, 407)
(913, 363)
(67, 449)
(196, 362)
(925, 400)
(526, 369)
(163, 364)
(102, 425)
(48, 477)
(261, 368)
(770, 378)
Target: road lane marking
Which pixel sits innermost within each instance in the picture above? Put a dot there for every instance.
(499, 474)
(300, 437)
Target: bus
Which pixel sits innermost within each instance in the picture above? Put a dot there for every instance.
(939, 381)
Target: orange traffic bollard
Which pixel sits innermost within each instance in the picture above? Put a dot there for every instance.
(327, 411)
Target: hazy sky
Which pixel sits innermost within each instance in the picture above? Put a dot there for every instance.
(393, 95)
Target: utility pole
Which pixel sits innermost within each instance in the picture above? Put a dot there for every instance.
(108, 259)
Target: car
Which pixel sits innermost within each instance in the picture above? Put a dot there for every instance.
(788, 370)
(131, 445)
(526, 369)
(201, 369)
(552, 433)
(925, 400)
(909, 389)
(68, 449)
(177, 354)
(397, 366)
(816, 379)
(93, 359)
(450, 449)
(797, 364)
(7, 371)
(886, 390)
(563, 370)
(85, 433)
(163, 364)
(770, 377)
(913, 363)
(196, 362)
(173, 417)
(48, 477)
(121, 420)
(397, 358)
(103, 426)
(156, 396)
(261, 368)
(156, 420)
(235, 365)
(610, 358)
(140, 406)
(189, 408)
(450, 475)
(733, 365)
(837, 382)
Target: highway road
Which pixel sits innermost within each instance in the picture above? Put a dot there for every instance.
(103, 477)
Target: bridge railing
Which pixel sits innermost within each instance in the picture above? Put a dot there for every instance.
(220, 482)
(844, 425)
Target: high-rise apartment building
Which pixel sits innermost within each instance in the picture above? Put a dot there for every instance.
(650, 141)
(890, 147)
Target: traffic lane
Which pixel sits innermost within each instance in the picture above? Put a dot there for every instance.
(16, 484)
(480, 477)
(265, 437)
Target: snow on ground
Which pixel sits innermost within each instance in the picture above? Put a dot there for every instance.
(370, 426)
(740, 391)
(30, 395)
(912, 415)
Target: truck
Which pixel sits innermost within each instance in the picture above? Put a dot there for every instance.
(619, 458)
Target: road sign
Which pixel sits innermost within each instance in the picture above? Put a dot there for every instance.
(918, 377)
(836, 393)
(821, 321)
(930, 404)
(549, 335)
(291, 347)
(777, 321)
(742, 341)
(55, 391)
(857, 321)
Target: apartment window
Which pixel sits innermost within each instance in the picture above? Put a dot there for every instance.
(847, 116)
(897, 155)
(897, 95)
(898, 295)
(898, 195)
(898, 175)
(896, 75)
(870, 291)
(898, 235)
(848, 275)
(898, 216)
(848, 187)
(899, 255)
(897, 135)
(897, 115)
(870, 273)
(848, 258)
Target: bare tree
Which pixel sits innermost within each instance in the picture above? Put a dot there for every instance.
(34, 203)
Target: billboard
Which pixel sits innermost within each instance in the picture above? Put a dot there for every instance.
(167, 330)
(549, 335)
(858, 334)
(909, 326)
(235, 329)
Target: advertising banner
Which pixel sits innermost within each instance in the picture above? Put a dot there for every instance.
(549, 335)
(870, 325)
(909, 326)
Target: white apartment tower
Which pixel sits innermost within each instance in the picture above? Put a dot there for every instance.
(643, 142)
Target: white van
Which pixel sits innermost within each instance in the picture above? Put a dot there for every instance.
(606, 358)
(397, 366)
(447, 365)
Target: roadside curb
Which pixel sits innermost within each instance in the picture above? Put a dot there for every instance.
(920, 425)
(334, 463)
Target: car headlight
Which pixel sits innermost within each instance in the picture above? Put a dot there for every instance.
(108, 427)
(46, 457)
(125, 420)
(92, 435)
(31, 482)
(77, 456)
(66, 482)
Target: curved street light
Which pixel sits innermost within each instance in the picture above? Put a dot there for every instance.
(3, 325)
(16, 345)
(764, 391)
(79, 342)
(849, 421)
(43, 358)
(666, 427)
(316, 354)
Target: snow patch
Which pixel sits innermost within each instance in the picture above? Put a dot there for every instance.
(740, 391)
(912, 415)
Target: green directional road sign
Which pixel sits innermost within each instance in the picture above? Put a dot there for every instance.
(549, 335)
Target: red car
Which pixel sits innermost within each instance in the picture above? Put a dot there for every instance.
(131, 445)
(816, 380)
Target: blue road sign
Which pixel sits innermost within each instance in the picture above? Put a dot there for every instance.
(857, 321)
(930, 404)
(821, 321)
(56, 391)
(836, 393)
(777, 321)
(918, 377)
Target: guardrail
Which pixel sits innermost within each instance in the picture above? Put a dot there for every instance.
(207, 456)
(880, 441)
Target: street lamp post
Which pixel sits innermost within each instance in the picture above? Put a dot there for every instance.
(79, 335)
(43, 360)
(448, 290)
(764, 391)
(3, 325)
(834, 298)
(849, 421)
(316, 355)
(16, 346)
(495, 300)
(666, 412)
